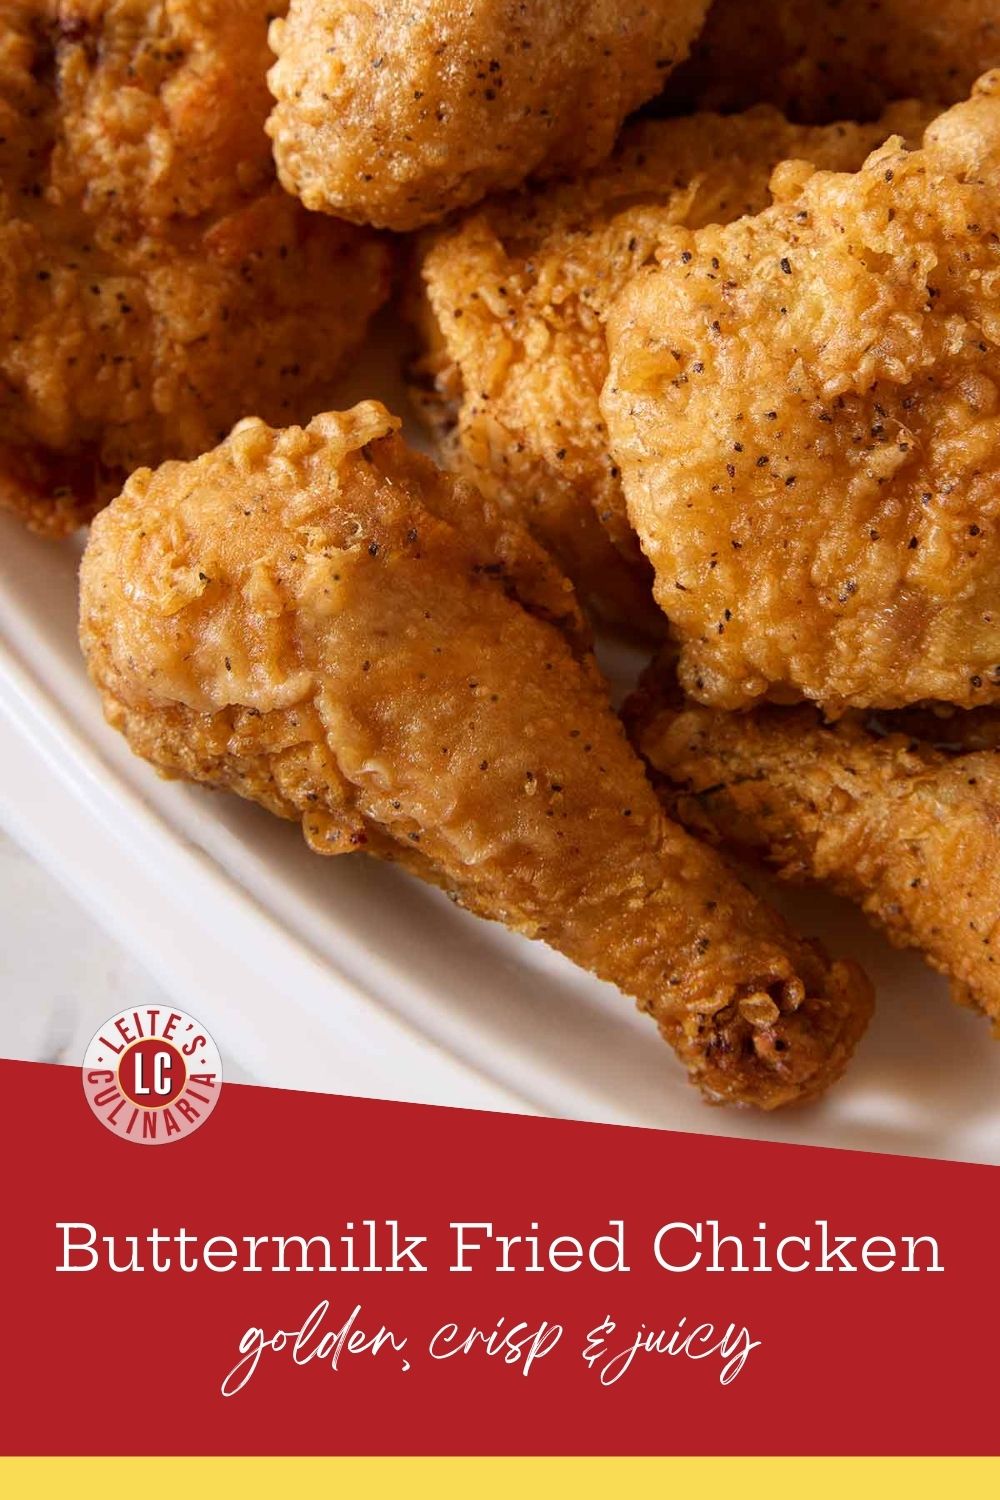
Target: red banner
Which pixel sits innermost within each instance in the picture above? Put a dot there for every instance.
(314, 1275)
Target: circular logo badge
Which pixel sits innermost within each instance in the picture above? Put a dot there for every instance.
(152, 1075)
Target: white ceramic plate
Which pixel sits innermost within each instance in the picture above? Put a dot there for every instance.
(347, 976)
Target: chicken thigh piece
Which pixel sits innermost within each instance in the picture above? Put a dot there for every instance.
(512, 310)
(908, 831)
(805, 406)
(322, 621)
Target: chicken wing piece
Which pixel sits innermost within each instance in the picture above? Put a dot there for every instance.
(394, 115)
(155, 282)
(512, 317)
(830, 59)
(806, 409)
(908, 832)
(322, 621)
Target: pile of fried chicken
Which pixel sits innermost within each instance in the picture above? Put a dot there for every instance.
(705, 312)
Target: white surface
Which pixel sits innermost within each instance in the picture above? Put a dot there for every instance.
(61, 973)
(347, 976)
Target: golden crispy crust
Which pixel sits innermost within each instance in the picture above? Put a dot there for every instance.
(515, 297)
(161, 106)
(394, 115)
(321, 621)
(127, 337)
(833, 59)
(909, 833)
(806, 409)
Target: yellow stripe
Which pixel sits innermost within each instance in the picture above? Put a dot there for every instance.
(501, 1478)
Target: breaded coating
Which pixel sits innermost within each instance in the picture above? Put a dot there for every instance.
(322, 621)
(394, 115)
(837, 59)
(161, 106)
(908, 832)
(515, 297)
(155, 282)
(806, 409)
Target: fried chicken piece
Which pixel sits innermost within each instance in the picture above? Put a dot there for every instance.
(806, 409)
(161, 106)
(941, 725)
(111, 360)
(909, 833)
(394, 115)
(322, 621)
(832, 59)
(515, 297)
(155, 282)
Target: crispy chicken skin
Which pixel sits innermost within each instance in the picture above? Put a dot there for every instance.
(905, 830)
(512, 317)
(322, 621)
(836, 59)
(394, 115)
(155, 282)
(806, 409)
(161, 106)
